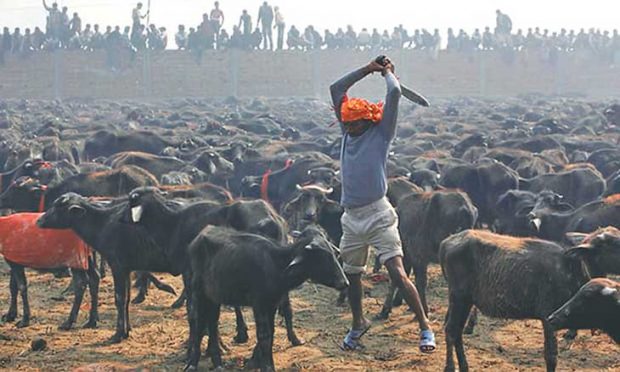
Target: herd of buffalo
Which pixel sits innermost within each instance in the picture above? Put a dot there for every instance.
(518, 200)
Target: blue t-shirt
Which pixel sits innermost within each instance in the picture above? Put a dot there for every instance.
(363, 159)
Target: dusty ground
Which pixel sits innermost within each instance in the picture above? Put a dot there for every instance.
(156, 341)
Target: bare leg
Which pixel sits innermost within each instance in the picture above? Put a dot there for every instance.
(356, 293)
(410, 293)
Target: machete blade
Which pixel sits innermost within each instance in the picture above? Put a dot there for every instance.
(414, 96)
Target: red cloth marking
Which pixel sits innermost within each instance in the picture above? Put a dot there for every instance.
(44, 164)
(264, 185)
(23, 242)
(42, 199)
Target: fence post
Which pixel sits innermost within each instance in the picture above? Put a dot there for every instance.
(233, 55)
(559, 74)
(482, 73)
(316, 73)
(57, 61)
(147, 78)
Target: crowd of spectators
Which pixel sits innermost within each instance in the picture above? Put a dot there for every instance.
(63, 31)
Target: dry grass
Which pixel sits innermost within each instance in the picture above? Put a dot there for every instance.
(158, 335)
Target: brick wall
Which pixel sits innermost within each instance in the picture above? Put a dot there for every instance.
(73, 74)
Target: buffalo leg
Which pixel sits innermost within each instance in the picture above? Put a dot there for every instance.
(263, 356)
(143, 280)
(212, 311)
(421, 282)
(551, 347)
(79, 286)
(471, 321)
(22, 286)
(387, 304)
(127, 302)
(242, 329)
(121, 291)
(159, 284)
(12, 313)
(142, 283)
(102, 265)
(342, 298)
(197, 321)
(458, 310)
(287, 312)
(180, 300)
(93, 287)
(377, 265)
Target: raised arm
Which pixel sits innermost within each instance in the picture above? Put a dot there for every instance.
(46, 7)
(390, 109)
(339, 89)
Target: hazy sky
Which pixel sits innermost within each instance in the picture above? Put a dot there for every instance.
(467, 14)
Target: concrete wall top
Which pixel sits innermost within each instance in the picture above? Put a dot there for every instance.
(166, 74)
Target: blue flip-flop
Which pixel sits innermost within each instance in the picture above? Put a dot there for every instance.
(427, 341)
(352, 341)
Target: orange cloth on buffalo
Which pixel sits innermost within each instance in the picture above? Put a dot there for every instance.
(23, 242)
(354, 109)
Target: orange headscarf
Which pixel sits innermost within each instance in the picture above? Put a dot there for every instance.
(354, 109)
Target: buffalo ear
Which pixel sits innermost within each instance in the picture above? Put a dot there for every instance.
(523, 212)
(290, 204)
(564, 207)
(332, 207)
(293, 270)
(575, 238)
(38, 191)
(579, 252)
(77, 210)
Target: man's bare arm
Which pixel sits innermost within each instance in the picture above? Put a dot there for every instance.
(390, 109)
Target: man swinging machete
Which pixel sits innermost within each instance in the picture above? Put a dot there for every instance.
(369, 219)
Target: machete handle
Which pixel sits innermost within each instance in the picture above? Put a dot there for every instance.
(382, 60)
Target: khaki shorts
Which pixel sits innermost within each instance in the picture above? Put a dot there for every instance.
(376, 225)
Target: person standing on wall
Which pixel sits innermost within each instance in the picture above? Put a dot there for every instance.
(265, 19)
(245, 24)
(136, 19)
(217, 19)
(280, 25)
